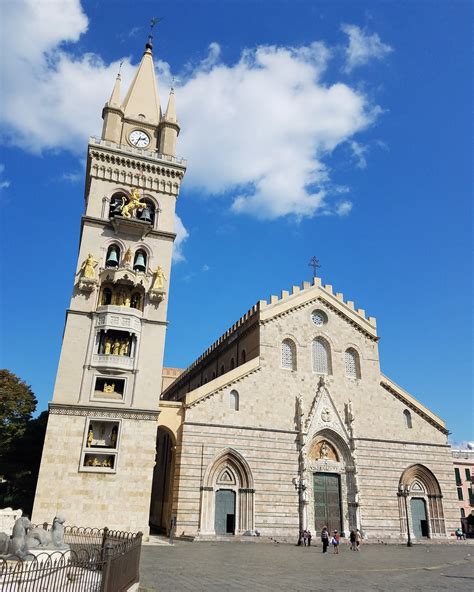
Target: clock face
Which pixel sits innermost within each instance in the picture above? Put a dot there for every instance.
(139, 139)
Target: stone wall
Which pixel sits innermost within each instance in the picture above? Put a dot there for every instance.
(120, 500)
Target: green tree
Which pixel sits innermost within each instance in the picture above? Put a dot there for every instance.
(21, 442)
(17, 403)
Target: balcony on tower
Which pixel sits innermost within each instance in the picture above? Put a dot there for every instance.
(115, 349)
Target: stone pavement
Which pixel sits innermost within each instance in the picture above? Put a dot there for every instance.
(209, 567)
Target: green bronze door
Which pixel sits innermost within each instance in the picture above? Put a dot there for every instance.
(418, 517)
(224, 521)
(327, 501)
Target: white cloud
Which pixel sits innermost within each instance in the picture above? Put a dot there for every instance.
(359, 152)
(344, 208)
(362, 47)
(259, 130)
(181, 235)
(4, 183)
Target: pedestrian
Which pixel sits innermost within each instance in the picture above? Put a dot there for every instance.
(358, 539)
(353, 540)
(335, 542)
(310, 536)
(325, 538)
(305, 537)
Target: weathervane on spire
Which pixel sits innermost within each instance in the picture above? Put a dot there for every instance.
(314, 263)
(154, 21)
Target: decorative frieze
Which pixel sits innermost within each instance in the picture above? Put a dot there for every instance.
(113, 413)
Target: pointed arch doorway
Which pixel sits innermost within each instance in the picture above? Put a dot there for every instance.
(227, 496)
(425, 504)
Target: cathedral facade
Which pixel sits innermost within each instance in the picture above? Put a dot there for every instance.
(286, 422)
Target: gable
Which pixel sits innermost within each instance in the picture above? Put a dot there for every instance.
(312, 295)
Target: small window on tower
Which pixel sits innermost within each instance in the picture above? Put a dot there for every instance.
(100, 446)
(109, 388)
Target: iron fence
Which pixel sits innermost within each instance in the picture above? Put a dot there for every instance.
(99, 560)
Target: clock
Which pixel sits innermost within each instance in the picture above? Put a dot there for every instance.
(139, 139)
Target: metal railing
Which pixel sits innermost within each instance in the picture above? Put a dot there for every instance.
(99, 560)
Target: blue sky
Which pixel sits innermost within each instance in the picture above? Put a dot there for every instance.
(335, 129)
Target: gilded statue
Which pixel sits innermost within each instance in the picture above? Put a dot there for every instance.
(127, 258)
(109, 388)
(116, 347)
(107, 346)
(133, 204)
(88, 267)
(90, 436)
(159, 281)
(123, 348)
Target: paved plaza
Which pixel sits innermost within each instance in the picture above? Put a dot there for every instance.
(260, 567)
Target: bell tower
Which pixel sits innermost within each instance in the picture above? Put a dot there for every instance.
(99, 451)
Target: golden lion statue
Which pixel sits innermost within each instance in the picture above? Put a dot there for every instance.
(133, 204)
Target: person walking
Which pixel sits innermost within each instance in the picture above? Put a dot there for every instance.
(305, 537)
(353, 540)
(310, 536)
(325, 538)
(358, 539)
(335, 542)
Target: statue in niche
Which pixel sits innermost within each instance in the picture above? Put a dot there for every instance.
(127, 258)
(133, 204)
(124, 348)
(109, 388)
(324, 450)
(349, 414)
(127, 300)
(113, 437)
(116, 347)
(90, 436)
(159, 281)
(107, 346)
(88, 267)
(135, 301)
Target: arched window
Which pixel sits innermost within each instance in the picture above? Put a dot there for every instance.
(321, 356)
(232, 363)
(407, 415)
(288, 354)
(139, 263)
(113, 256)
(351, 362)
(234, 400)
(222, 369)
(243, 357)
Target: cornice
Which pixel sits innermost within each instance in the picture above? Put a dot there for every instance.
(109, 412)
(93, 221)
(409, 402)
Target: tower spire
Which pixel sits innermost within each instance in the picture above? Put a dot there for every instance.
(142, 98)
(115, 96)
